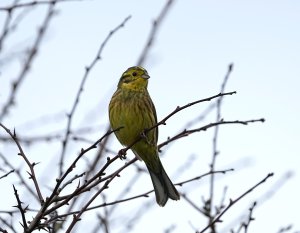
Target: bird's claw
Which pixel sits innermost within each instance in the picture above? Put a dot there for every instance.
(122, 154)
(143, 135)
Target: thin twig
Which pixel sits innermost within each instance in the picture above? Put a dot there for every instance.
(98, 156)
(153, 32)
(233, 202)
(33, 3)
(286, 229)
(29, 164)
(53, 136)
(11, 26)
(76, 217)
(7, 174)
(122, 152)
(19, 175)
(185, 132)
(5, 29)
(22, 211)
(28, 62)
(42, 212)
(85, 76)
(7, 224)
(146, 194)
(263, 198)
(189, 201)
(215, 153)
(250, 217)
(2, 230)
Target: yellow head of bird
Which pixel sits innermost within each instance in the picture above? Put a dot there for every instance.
(134, 78)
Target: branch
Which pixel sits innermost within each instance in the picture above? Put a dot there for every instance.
(234, 201)
(26, 67)
(178, 109)
(7, 174)
(250, 217)
(122, 152)
(76, 217)
(5, 29)
(30, 165)
(19, 175)
(22, 211)
(186, 133)
(215, 151)
(85, 76)
(205, 174)
(42, 212)
(33, 3)
(146, 194)
(153, 32)
(6, 224)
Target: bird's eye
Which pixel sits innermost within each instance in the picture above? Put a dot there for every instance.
(134, 74)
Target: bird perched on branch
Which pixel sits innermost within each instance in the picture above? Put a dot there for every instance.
(132, 109)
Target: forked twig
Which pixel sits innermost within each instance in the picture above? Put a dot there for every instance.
(29, 164)
(75, 104)
(234, 201)
(153, 32)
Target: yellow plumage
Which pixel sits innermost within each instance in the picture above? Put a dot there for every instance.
(132, 109)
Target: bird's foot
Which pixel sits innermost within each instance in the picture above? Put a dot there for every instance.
(122, 154)
(143, 134)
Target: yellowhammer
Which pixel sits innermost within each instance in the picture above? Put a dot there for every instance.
(132, 109)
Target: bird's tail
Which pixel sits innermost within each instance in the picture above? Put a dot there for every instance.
(163, 186)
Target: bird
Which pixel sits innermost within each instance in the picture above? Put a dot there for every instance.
(131, 112)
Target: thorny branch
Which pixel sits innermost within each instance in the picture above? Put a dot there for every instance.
(185, 132)
(215, 153)
(153, 32)
(19, 206)
(246, 224)
(55, 201)
(108, 179)
(146, 194)
(33, 3)
(76, 217)
(85, 76)
(28, 62)
(19, 175)
(29, 164)
(122, 152)
(7, 174)
(233, 202)
(42, 212)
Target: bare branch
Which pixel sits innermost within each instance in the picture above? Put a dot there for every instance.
(7, 174)
(186, 133)
(19, 175)
(146, 194)
(76, 217)
(122, 152)
(85, 76)
(34, 3)
(250, 217)
(28, 62)
(30, 165)
(22, 211)
(215, 152)
(57, 189)
(153, 32)
(234, 201)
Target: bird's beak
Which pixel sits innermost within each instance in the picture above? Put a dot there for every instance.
(145, 76)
